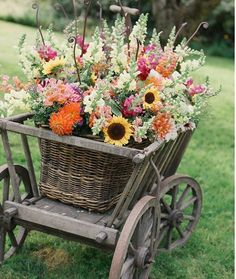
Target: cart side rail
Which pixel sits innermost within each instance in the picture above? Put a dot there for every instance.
(138, 156)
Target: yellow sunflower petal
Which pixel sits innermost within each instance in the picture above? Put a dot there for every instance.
(118, 131)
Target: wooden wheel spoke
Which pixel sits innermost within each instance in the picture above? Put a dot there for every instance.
(163, 224)
(2, 244)
(179, 231)
(167, 207)
(12, 238)
(128, 268)
(174, 196)
(145, 228)
(6, 189)
(189, 217)
(188, 203)
(169, 237)
(165, 216)
(183, 196)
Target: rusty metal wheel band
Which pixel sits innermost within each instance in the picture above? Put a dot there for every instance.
(135, 249)
(180, 211)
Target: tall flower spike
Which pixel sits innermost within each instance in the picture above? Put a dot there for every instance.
(73, 40)
(88, 5)
(203, 24)
(59, 7)
(35, 6)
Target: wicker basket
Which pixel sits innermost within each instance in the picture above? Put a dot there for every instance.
(78, 176)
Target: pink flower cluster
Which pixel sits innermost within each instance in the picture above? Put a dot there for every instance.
(47, 53)
(148, 61)
(195, 89)
(79, 41)
(128, 108)
(56, 91)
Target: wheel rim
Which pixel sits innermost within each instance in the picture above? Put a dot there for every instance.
(181, 203)
(11, 240)
(135, 249)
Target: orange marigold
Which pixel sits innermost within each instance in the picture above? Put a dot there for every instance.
(167, 64)
(61, 124)
(161, 125)
(72, 110)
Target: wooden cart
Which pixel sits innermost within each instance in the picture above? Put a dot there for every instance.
(158, 209)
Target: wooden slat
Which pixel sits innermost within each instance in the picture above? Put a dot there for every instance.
(62, 223)
(179, 153)
(30, 165)
(10, 163)
(71, 140)
(20, 117)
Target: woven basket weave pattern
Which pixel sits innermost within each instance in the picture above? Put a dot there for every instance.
(78, 176)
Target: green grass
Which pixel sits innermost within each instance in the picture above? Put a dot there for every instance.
(209, 159)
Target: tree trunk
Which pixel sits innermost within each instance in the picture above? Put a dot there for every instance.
(169, 13)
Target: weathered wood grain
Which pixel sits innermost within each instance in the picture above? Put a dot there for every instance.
(63, 223)
(71, 140)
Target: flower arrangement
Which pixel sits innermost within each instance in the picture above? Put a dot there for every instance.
(120, 86)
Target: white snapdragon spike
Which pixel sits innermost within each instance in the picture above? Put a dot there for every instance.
(98, 125)
(16, 101)
(88, 102)
(139, 31)
(95, 53)
(192, 65)
(140, 132)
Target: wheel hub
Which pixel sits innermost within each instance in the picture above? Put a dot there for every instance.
(176, 218)
(143, 257)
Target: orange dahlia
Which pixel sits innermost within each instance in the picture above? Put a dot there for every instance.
(61, 124)
(167, 64)
(72, 110)
(162, 125)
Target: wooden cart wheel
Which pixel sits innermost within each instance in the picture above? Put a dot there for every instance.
(135, 250)
(181, 203)
(11, 240)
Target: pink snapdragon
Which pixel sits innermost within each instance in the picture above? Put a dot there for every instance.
(194, 89)
(148, 61)
(79, 41)
(128, 108)
(47, 53)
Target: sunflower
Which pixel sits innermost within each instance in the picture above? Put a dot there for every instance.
(151, 98)
(52, 66)
(118, 131)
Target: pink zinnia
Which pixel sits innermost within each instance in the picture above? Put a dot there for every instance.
(47, 53)
(128, 110)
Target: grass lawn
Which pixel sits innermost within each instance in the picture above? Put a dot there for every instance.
(209, 159)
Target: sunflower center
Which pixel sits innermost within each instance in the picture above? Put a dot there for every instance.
(149, 98)
(116, 131)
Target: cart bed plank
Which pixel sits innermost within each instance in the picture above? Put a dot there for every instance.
(64, 218)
